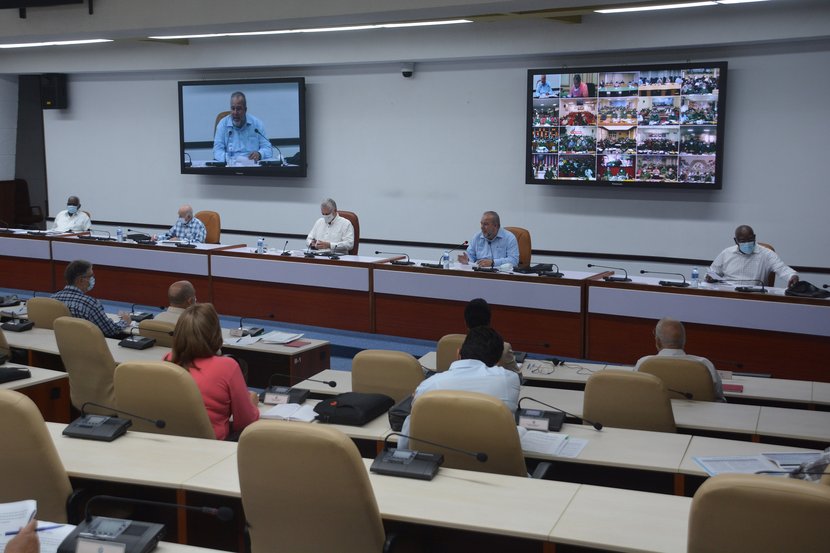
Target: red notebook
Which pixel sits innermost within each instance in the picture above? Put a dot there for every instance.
(733, 387)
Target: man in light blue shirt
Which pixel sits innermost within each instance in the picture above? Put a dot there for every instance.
(240, 135)
(493, 246)
(475, 371)
(543, 88)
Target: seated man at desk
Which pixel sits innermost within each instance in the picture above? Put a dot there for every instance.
(748, 261)
(180, 296)
(670, 339)
(492, 246)
(475, 371)
(477, 313)
(240, 137)
(79, 280)
(72, 219)
(331, 231)
(187, 228)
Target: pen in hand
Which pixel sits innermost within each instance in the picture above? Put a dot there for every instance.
(39, 529)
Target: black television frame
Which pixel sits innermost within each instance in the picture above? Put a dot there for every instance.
(297, 170)
(530, 174)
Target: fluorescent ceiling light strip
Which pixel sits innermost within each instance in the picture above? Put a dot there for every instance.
(55, 43)
(738, 1)
(658, 7)
(319, 29)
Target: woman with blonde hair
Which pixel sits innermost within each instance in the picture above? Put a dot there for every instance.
(197, 340)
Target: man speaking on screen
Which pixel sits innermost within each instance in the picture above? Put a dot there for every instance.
(240, 138)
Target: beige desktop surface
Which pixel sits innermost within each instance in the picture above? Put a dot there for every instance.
(794, 423)
(39, 376)
(375, 430)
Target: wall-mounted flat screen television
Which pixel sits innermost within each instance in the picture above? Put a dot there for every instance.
(627, 126)
(253, 127)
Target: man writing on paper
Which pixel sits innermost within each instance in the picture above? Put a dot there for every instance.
(180, 296)
(748, 261)
(79, 280)
(72, 219)
(492, 246)
(240, 137)
(187, 228)
(670, 339)
(331, 231)
(475, 371)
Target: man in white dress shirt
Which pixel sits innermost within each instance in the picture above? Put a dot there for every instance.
(670, 339)
(331, 231)
(749, 261)
(72, 219)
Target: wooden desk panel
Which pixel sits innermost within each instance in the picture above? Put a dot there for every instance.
(25, 262)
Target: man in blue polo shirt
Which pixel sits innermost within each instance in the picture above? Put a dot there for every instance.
(493, 246)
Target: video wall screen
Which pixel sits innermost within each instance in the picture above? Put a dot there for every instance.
(632, 127)
(251, 127)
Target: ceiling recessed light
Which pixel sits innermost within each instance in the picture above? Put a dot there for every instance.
(658, 7)
(55, 43)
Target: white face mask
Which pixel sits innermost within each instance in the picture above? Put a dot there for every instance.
(329, 218)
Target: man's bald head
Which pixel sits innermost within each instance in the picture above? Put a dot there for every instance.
(670, 334)
(181, 294)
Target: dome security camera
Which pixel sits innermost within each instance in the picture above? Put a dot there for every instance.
(407, 70)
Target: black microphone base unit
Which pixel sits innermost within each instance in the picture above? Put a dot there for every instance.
(140, 316)
(534, 419)
(276, 395)
(432, 265)
(751, 289)
(401, 262)
(215, 164)
(552, 274)
(9, 301)
(134, 535)
(252, 330)
(17, 325)
(137, 342)
(616, 279)
(408, 464)
(97, 238)
(271, 163)
(139, 236)
(673, 283)
(181, 245)
(101, 428)
(485, 269)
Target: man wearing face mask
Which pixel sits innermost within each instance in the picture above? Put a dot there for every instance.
(749, 261)
(331, 231)
(493, 246)
(79, 281)
(72, 219)
(187, 228)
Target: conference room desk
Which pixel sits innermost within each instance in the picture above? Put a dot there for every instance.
(312, 291)
(47, 388)
(136, 273)
(821, 393)
(765, 333)
(26, 259)
(266, 360)
(374, 431)
(810, 426)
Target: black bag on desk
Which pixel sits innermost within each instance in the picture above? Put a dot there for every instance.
(803, 289)
(399, 412)
(352, 408)
(9, 374)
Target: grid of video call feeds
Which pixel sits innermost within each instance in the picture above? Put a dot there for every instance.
(649, 126)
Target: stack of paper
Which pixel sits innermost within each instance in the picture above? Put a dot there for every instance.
(277, 337)
(291, 412)
(550, 443)
(14, 516)
(744, 464)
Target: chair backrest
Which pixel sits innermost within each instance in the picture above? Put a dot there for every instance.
(30, 467)
(471, 421)
(162, 331)
(353, 219)
(624, 399)
(525, 248)
(393, 373)
(219, 116)
(88, 361)
(4, 345)
(771, 275)
(213, 225)
(44, 311)
(682, 375)
(165, 391)
(328, 503)
(780, 514)
(447, 351)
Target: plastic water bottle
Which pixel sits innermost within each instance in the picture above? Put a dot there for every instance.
(119, 234)
(445, 259)
(695, 278)
(260, 245)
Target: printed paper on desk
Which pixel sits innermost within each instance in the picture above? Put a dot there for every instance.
(548, 443)
(277, 337)
(242, 340)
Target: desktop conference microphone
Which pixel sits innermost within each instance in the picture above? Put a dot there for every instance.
(141, 316)
(480, 456)
(251, 330)
(397, 261)
(674, 283)
(158, 423)
(331, 383)
(17, 324)
(554, 274)
(612, 278)
(752, 289)
(281, 160)
(596, 425)
(224, 514)
(285, 249)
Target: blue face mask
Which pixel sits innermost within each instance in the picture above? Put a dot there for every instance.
(91, 283)
(746, 248)
(72, 209)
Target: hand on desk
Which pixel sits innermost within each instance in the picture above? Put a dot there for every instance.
(125, 316)
(484, 262)
(320, 245)
(462, 258)
(26, 541)
(793, 280)
(254, 398)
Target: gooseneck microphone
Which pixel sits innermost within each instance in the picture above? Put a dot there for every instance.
(674, 283)
(285, 249)
(596, 425)
(480, 456)
(463, 244)
(612, 278)
(252, 330)
(158, 423)
(397, 261)
(281, 160)
(752, 289)
(224, 514)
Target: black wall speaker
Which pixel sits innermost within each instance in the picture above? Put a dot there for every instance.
(53, 91)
